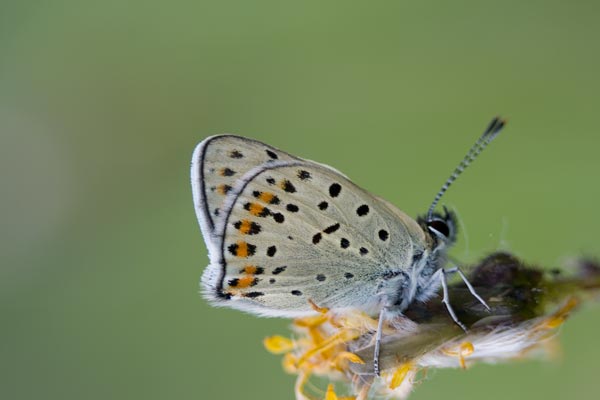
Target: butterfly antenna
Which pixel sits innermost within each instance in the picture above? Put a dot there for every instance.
(488, 135)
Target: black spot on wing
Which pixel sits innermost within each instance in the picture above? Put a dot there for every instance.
(271, 154)
(323, 205)
(383, 235)
(279, 270)
(362, 210)
(233, 282)
(227, 172)
(292, 208)
(236, 154)
(304, 175)
(296, 292)
(271, 250)
(287, 186)
(225, 188)
(344, 243)
(321, 277)
(335, 189)
(332, 228)
(253, 294)
(278, 217)
(317, 238)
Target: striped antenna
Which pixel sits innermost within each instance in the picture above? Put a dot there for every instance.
(488, 135)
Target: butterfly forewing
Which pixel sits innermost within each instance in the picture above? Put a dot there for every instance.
(296, 231)
(217, 164)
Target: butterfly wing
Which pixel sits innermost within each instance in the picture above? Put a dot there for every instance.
(218, 163)
(293, 230)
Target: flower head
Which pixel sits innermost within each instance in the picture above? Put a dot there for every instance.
(527, 306)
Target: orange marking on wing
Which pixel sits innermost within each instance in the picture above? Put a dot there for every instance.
(245, 282)
(245, 226)
(256, 209)
(250, 269)
(223, 189)
(266, 197)
(242, 249)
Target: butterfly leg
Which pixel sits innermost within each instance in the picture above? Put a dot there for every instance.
(446, 300)
(469, 286)
(378, 336)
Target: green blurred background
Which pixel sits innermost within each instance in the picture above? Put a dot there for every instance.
(102, 103)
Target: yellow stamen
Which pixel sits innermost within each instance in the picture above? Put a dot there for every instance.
(559, 317)
(309, 322)
(339, 338)
(330, 395)
(314, 306)
(400, 375)
(289, 363)
(464, 350)
(345, 356)
(278, 344)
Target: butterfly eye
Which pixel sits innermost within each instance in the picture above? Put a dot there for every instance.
(439, 227)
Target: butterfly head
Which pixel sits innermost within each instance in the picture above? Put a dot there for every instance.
(441, 228)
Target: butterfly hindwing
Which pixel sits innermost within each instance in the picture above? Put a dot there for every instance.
(294, 231)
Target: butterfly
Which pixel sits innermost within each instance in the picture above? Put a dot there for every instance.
(285, 234)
